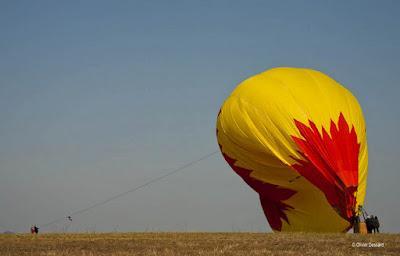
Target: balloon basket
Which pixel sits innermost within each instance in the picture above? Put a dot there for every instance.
(360, 228)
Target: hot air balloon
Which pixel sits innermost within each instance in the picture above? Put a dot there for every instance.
(298, 138)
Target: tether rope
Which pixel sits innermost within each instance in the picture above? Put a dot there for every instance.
(80, 211)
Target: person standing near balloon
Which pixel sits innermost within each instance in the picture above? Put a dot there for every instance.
(377, 224)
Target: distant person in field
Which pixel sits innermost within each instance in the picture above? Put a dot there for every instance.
(36, 229)
(32, 229)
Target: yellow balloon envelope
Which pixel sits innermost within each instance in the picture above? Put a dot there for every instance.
(298, 138)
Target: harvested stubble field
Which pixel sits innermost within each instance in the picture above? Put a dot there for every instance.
(199, 244)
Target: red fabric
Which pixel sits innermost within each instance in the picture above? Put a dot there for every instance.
(271, 196)
(330, 162)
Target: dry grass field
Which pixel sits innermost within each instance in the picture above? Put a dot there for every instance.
(199, 244)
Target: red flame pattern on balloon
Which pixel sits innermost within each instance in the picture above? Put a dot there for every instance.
(330, 162)
(271, 196)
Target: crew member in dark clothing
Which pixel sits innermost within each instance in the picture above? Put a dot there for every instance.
(376, 222)
(373, 224)
(36, 229)
(369, 223)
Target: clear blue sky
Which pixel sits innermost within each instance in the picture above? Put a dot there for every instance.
(98, 96)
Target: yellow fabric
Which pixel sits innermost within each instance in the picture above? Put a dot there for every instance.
(255, 126)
